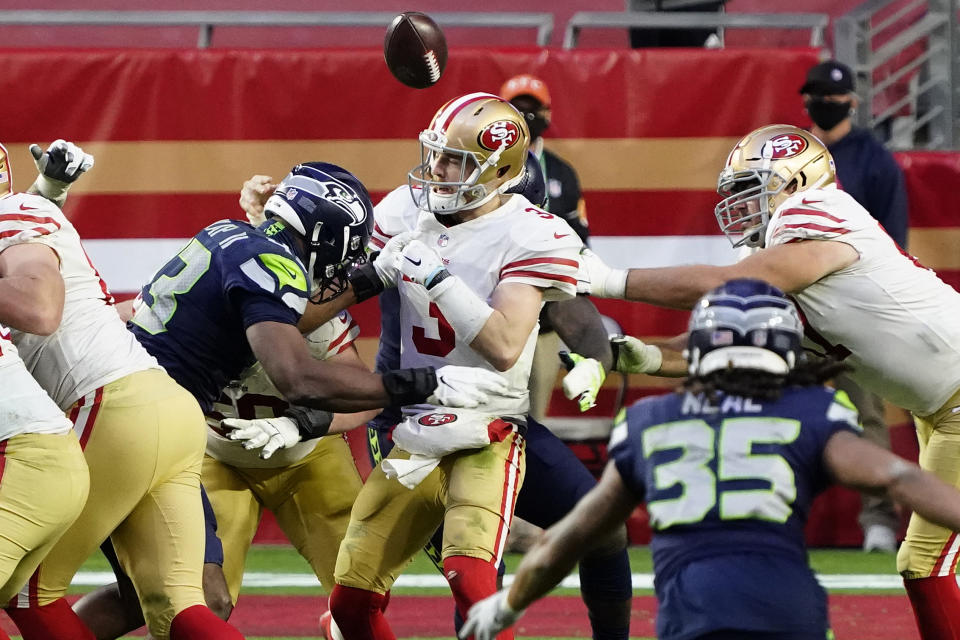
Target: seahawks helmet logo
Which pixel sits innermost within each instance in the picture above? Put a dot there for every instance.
(346, 199)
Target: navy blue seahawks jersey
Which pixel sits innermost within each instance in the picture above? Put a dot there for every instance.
(728, 487)
(197, 308)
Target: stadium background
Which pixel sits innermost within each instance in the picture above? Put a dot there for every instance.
(175, 131)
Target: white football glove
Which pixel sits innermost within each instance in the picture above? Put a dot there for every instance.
(467, 387)
(489, 617)
(631, 355)
(584, 378)
(254, 195)
(599, 280)
(387, 263)
(420, 263)
(60, 166)
(269, 433)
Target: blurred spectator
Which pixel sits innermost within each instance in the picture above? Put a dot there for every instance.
(643, 38)
(530, 96)
(867, 171)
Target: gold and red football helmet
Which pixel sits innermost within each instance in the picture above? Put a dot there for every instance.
(765, 168)
(6, 178)
(487, 137)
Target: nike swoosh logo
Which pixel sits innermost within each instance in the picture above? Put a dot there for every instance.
(805, 201)
(559, 235)
(413, 262)
(24, 207)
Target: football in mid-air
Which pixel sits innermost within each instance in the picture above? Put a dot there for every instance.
(415, 49)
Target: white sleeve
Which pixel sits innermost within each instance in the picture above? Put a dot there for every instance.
(25, 218)
(809, 219)
(545, 254)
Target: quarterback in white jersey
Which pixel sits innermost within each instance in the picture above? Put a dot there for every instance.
(309, 486)
(473, 266)
(864, 302)
(516, 243)
(142, 436)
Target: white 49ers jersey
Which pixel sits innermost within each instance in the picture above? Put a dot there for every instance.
(893, 320)
(24, 406)
(517, 243)
(92, 346)
(254, 396)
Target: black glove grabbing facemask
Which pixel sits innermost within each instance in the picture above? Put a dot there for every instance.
(826, 114)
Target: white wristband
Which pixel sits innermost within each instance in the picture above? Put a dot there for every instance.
(462, 308)
(49, 188)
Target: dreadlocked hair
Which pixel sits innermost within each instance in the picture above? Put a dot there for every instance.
(763, 385)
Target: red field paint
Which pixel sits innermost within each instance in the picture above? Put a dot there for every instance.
(854, 617)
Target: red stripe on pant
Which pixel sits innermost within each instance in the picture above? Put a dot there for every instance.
(84, 415)
(3, 459)
(511, 489)
(944, 552)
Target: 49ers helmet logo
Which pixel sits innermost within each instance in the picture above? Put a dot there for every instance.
(502, 133)
(785, 146)
(437, 419)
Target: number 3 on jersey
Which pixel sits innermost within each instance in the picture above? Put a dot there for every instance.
(177, 276)
(745, 484)
(446, 338)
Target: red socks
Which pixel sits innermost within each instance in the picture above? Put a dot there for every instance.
(199, 623)
(54, 621)
(471, 580)
(359, 613)
(936, 606)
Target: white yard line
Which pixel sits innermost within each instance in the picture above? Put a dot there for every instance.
(423, 581)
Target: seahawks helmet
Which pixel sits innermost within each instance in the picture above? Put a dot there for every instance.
(744, 324)
(331, 209)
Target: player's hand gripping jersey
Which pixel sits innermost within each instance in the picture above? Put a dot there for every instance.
(893, 320)
(728, 488)
(184, 321)
(92, 347)
(515, 243)
(255, 396)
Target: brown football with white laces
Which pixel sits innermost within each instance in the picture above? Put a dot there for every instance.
(415, 49)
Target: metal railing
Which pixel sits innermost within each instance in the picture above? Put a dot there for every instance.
(206, 21)
(815, 22)
(915, 103)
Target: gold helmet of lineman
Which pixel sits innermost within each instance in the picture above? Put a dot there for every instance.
(474, 150)
(765, 168)
(6, 179)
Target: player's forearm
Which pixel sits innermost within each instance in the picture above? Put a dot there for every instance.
(543, 567)
(33, 304)
(927, 495)
(335, 387)
(676, 287)
(674, 365)
(317, 314)
(499, 342)
(579, 325)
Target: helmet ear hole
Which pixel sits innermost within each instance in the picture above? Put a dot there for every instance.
(502, 171)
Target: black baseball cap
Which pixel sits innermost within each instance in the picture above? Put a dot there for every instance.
(828, 78)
